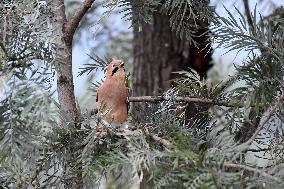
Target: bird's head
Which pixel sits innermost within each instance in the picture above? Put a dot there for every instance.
(116, 69)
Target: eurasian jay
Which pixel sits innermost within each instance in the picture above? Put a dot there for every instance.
(112, 94)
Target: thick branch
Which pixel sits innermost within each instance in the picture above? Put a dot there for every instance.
(155, 99)
(73, 23)
(182, 99)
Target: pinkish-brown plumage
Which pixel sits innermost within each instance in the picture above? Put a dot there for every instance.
(112, 94)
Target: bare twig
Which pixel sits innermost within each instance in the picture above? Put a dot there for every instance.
(251, 169)
(73, 23)
(182, 99)
(271, 113)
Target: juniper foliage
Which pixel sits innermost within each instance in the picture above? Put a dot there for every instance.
(159, 142)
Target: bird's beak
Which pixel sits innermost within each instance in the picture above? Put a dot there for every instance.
(114, 70)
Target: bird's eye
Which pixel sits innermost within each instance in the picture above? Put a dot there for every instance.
(113, 65)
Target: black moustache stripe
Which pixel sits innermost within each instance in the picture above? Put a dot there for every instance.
(114, 70)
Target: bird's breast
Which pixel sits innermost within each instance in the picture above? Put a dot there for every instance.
(113, 94)
(112, 97)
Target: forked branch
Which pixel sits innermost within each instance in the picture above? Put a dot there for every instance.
(73, 23)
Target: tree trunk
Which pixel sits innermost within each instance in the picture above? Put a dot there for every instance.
(158, 52)
(65, 88)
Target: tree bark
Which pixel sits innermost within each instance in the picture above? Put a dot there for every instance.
(65, 86)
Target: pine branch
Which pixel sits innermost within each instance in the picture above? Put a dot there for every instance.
(73, 23)
(182, 99)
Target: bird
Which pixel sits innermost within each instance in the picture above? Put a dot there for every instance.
(112, 95)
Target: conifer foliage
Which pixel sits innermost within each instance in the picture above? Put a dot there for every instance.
(38, 144)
